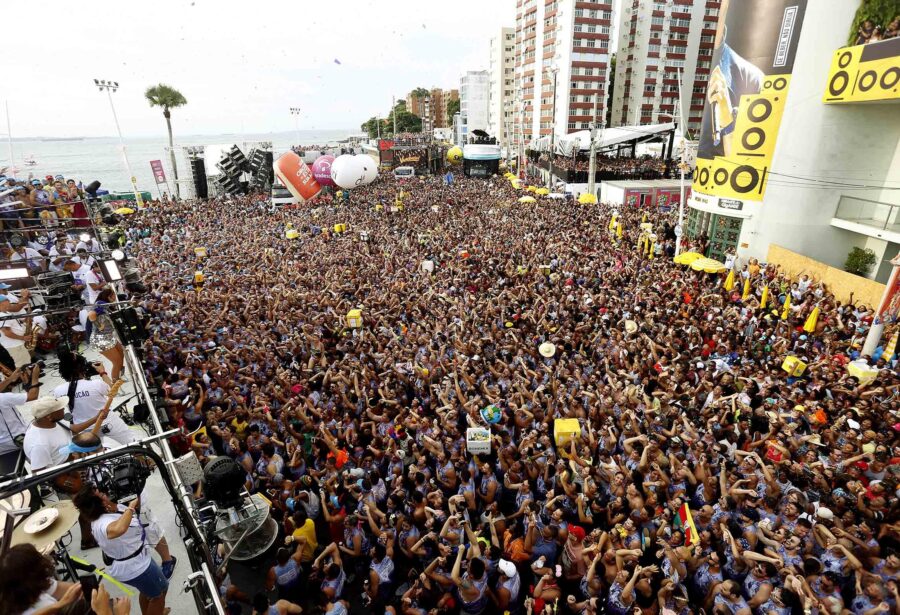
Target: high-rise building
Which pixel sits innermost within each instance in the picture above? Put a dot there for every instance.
(434, 104)
(657, 39)
(566, 42)
(474, 96)
(503, 82)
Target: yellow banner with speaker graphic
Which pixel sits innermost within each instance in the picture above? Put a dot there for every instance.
(755, 44)
(864, 73)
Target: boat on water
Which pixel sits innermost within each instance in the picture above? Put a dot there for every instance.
(30, 161)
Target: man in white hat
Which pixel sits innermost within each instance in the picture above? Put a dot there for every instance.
(47, 442)
(508, 587)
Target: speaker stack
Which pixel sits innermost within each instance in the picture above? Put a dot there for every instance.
(232, 166)
(260, 167)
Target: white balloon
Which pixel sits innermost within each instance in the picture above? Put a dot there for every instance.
(370, 168)
(347, 171)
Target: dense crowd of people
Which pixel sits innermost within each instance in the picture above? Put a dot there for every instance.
(471, 300)
(620, 164)
(871, 32)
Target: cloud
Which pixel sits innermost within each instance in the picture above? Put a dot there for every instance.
(241, 65)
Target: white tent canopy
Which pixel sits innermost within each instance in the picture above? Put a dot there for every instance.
(608, 137)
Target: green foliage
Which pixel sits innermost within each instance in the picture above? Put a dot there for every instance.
(406, 122)
(371, 127)
(881, 12)
(860, 261)
(165, 96)
(421, 92)
(452, 109)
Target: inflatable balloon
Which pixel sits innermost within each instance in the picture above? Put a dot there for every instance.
(370, 168)
(347, 171)
(455, 155)
(321, 170)
(296, 177)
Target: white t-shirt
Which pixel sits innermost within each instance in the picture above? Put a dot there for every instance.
(44, 600)
(32, 256)
(11, 423)
(46, 447)
(123, 546)
(16, 326)
(85, 276)
(55, 254)
(90, 397)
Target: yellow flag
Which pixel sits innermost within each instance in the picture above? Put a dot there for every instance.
(810, 325)
(787, 307)
(764, 298)
(891, 348)
(746, 294)
(729, 281)
(619, 230)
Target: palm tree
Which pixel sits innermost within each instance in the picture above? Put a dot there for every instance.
(167, 97)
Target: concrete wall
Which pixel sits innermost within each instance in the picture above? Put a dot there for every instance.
(852, 144)
(839, 282)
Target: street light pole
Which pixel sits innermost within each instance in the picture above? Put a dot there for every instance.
(683, 163)
(592, 164)
(295, 111)
(109, 87)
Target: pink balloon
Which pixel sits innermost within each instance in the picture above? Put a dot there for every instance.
(321, 170)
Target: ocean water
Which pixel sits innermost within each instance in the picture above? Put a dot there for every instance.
(101, 159)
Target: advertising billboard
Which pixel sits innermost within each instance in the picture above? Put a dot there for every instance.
(755, 44)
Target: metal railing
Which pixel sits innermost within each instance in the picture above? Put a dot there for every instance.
(870, 213)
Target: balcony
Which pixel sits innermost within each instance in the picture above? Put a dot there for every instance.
(871, 218)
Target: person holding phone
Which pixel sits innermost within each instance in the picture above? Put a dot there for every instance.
(28, 585)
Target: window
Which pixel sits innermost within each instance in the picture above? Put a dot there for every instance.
(591, 28)
(578, 28)
(681, 23)
(704, 52)
(579, 12)
(676, 64)
(709, 25)
(712, 12)
(585, 125)
(653, 48)
(699, 89)
(657, 21)
(700, 64)
(606, 15)
(591, 43)
(678, 49)
(707, 38)
(649, 89)
(589, 71)
(604, 29)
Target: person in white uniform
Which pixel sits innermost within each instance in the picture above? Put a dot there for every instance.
(86, 397)
(12, 425)
(123, 540)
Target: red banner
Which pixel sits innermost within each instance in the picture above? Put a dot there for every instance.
(385, 144)
(158, 173)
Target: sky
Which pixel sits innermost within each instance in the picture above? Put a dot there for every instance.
(241, 65)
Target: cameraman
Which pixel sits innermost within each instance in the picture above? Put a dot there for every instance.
(123, 541)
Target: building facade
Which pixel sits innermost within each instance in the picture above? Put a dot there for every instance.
(502, 85)
(657, 40)
(811, 166)
(474, 103)
(562, 61)
(433, 105)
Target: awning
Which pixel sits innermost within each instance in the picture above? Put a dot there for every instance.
(608, 137)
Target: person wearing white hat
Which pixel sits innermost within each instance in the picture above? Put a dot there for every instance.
(13, 424)
(508, 588)
(46, 442)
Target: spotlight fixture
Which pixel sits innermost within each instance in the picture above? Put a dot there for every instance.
(85, 237)
(118, 255)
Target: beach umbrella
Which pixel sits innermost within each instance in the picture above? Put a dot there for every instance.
(810, 325)
(764, 298)
(124, 211)
(787, 307)
(527, 199)
(586, 198)
(729, 281)
(746, 294)
(686, 258)
(708, 265)
(542, 191)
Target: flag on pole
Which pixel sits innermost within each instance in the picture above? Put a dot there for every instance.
(746, 294)
(729, 281)
(686, 521)
(810, 325)
(891, 347)
(787, 307)
(764, 298)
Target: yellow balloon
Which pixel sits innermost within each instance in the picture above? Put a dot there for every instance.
(455, 155)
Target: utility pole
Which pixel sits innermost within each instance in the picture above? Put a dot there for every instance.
(592, 164)
(394, 113)
(555, 71)
(679, 230)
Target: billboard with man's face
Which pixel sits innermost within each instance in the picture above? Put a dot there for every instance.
(756, 41)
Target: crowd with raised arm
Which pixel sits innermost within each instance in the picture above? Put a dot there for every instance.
(470, 299)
